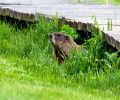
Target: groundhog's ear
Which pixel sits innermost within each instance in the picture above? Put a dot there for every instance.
(67, 37)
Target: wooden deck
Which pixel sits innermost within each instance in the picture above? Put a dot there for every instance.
(77, 15)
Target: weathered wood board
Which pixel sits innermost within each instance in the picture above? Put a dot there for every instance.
(76, 15)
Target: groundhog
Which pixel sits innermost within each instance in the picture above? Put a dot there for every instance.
(62, 45)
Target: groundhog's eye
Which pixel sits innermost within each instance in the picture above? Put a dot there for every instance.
(58, 35)
(67, 37)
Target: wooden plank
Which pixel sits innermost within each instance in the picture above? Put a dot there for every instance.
(78, 16)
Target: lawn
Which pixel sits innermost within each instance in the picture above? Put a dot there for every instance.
(16, 84)
(28, 69)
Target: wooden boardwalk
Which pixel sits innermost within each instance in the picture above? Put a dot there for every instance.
(77, 15)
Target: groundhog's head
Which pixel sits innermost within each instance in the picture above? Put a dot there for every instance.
(62, 44)
(58, 37)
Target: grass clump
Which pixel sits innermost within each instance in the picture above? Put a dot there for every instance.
(116, 2)
(27, 58)
(70, 31)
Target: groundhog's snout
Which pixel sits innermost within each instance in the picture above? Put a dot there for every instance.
(52, 38)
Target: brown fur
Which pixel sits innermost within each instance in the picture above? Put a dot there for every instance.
(62, 45)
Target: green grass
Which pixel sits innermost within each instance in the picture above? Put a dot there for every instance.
(28, 69)
(99, 1)
(16, 83)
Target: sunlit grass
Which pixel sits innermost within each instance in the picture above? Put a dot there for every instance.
(98, 1)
